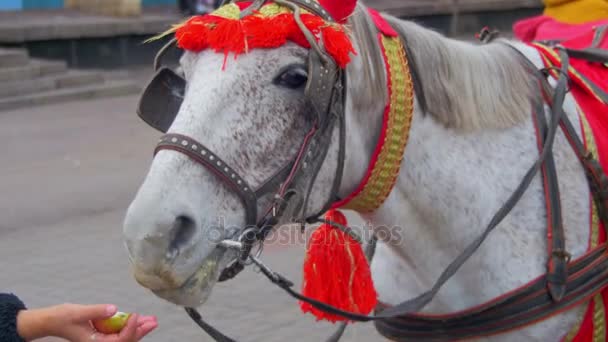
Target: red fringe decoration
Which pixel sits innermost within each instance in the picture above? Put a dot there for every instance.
(228, 36)
(258, 34)
(256, 31)
(337, 43)
(193, 35)
(336, 272)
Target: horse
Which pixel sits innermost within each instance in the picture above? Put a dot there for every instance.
(471, 141)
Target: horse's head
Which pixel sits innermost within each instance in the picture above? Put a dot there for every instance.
(245, 123)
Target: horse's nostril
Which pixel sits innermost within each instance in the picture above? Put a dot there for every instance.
(182, 233)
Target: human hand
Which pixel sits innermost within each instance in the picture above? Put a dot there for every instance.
(73, 322)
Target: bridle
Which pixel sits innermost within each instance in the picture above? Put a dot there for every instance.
(296, 178)
(325, 94)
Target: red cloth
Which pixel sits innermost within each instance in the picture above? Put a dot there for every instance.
(543, 27)
(596, 113)
(382, 24)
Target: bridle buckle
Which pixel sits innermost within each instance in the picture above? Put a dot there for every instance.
(562, 254)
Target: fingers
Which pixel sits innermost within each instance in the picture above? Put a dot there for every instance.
(145, 328)
(143, 319)
(94, 312)
(137, 327)
(127, 334)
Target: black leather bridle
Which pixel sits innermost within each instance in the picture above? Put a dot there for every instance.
(325, 95)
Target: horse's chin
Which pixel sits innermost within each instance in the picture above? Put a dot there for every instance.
(197, 289)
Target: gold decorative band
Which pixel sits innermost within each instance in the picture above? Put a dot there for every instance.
(397, 121)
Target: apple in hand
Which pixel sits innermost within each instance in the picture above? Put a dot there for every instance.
(112, 325)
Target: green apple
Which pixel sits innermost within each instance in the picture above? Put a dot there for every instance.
(112, 325)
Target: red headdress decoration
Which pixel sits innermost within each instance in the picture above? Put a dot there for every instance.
(270, 27)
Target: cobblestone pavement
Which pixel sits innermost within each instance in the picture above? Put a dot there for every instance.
(68, 173)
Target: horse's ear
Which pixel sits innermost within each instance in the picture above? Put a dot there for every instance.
(340, 10)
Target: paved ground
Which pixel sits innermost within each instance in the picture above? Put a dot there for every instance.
(67, 175)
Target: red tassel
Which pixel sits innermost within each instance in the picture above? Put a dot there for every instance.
(336, 272)
(337, 44)
(258, 34)
(193, 35)
(228, 36)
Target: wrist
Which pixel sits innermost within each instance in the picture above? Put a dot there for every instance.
(34, 324)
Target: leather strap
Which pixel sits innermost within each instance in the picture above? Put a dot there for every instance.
(526, 305)
(557, 265)
(598, 37)
(591, 54)
(205, 157)
(210, 330)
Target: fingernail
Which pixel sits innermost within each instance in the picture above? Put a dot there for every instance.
(110, 309)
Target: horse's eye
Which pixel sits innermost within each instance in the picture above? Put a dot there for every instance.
(294, 77)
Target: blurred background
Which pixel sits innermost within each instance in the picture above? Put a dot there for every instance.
(73, 153)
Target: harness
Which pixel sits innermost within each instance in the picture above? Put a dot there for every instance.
(566, 283)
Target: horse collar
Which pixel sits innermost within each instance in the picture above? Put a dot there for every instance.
(386, 160)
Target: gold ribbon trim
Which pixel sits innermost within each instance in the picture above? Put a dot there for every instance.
(398, 119)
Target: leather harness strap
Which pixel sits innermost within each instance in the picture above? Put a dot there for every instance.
(517, 309)
(558, 257)
(211, 161)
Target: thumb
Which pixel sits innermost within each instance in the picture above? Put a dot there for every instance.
(95, 312)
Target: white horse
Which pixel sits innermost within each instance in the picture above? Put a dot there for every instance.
(467, 151)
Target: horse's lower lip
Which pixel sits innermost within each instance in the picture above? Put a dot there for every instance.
(205, 276)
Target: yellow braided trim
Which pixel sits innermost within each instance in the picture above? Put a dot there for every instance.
(401, 101)
(599, 319)
(592, 148)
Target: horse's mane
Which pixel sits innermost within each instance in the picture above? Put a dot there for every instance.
(466, 86)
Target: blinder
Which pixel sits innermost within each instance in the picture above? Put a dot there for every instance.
(161, 99)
